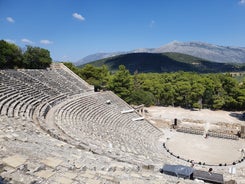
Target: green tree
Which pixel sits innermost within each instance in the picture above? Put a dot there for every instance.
(97, 76)
(121, 83)
(152, 82)
(216, 91)
(231, 91)
(241, 100)
(183, 90)
(196, 94)
(138, 97)
(168, 94)
(209, 87)
(72, 67)
(218, 102)
(105, 77)
(91, 74)
(136, 79)
(10, 55)
(36, 57)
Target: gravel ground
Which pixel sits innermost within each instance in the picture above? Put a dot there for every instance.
(202, 116)
(195, 147)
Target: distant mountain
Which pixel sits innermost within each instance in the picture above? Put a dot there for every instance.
(206, 51)
(221, 54)
(165, 62)
(97, 56)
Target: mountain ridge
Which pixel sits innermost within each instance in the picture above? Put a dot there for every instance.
(207, 51)
(165, 62)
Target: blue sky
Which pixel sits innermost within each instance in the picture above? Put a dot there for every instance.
(73, 29)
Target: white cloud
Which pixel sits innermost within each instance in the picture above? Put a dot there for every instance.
(10, 19)
(27, 41)
(78, 16)
(9, 40)
(242, 2)
(46, 42)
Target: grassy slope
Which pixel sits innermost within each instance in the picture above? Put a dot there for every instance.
(166, 62)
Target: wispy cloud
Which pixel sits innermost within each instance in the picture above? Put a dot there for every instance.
(9, 40)
(78, 16)
(46, 42)
(10, 19)
(242, 2)
(26, 41)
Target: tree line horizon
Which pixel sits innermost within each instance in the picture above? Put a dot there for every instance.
(185, 89)
(13, 57)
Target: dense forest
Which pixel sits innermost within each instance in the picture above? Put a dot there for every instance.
(12, 56)
(185, 89)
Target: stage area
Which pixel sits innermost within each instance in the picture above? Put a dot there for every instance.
(213, 151)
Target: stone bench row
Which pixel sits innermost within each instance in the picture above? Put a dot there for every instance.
(80, 84)
(58, 158)
(18, 81)
(21, 91)
(191, 131)
(224, 136)
(54, 79)
(92, 117)
(101, 112)
(212, 134)
(48, 80)
(19, 101)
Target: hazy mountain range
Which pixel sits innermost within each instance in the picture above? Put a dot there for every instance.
(211, 52)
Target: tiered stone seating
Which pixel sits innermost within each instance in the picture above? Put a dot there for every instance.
(22, 91)
(77, 85)
(101, 125)
(50, 79)
(84, 119)
(28, 155)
